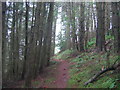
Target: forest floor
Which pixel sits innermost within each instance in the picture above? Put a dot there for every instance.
(70, 69)
(55, 76)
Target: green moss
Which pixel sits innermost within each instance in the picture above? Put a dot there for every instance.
(64, 55)
(91, 42)
(77, 59)
(79, 76)
(107, 37)
(53, 62)
(104, 82)
(49, 80)
(78, 79)
(35, 83)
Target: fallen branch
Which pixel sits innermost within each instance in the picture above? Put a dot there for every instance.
(114, 67)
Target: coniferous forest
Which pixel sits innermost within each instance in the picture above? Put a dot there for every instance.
(60, 44)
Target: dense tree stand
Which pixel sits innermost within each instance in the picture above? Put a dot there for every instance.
(33, 33)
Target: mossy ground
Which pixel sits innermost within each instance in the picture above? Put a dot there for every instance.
(83, 66)
(64, 55)
(87, 64)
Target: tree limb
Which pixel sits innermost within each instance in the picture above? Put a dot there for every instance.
(114, 67)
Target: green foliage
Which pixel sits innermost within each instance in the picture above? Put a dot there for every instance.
(35, 83)
(104, 82)
(49, 80)
(91, 42)
(77, 59)
(61, 41)
(53, 62)
(86, 66)
(64, 55)
(107, 37)
(118, 85)
(118, 58)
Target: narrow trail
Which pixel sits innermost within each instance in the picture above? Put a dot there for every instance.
(60, 72)
(62, 75)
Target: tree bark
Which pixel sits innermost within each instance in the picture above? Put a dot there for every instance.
(4, 32)
(115, 26)
(1, 44)
(100, 26)
(49, 27)
(82, 27)
(26, 41)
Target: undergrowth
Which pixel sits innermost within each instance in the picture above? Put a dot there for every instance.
(64, 55)
(86, 66)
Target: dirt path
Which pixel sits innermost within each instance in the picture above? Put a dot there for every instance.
(62, 75)
(54, 76)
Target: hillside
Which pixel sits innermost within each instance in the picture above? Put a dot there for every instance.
(71, 69)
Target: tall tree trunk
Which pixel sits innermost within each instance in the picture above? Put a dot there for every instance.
(1, 44)
(87, 26)
(16, 45)
(39, 33)
(54, 32)
(74, 36)
(49, 27)
(29, 64)
(26, 40)
(115, 26)
(107, 17)
(67, 34)
(11, 55)
(100, 26)
(4, 32)
(82, 27)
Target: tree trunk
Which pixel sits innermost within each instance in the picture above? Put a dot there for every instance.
(49, 27)
(82, 27)
(4, 32)
(54, 33)
(107, 18)
(115, 26)
(100, 26)
(1, 23)
(26, 40)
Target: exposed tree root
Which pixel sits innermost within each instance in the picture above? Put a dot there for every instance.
(114, 67)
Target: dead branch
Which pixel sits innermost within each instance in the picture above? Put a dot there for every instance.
(114, 67)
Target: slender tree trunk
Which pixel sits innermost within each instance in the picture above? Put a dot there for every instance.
(107, 18)
(82, 28)
(11, 57)
(4, 32)
(29, 66)
(49, 26)
(39, 35)
(100, 26)
(1, 44)
(54, 35)
(115, 26)
(16, 46)
(26, 41)
(67, 34)
(87, 26)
